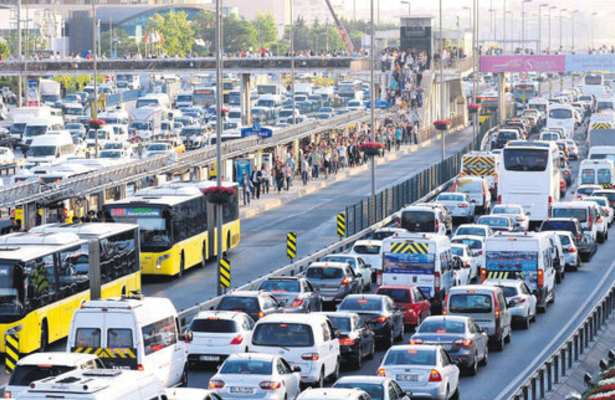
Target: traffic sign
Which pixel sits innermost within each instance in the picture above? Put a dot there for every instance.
(291, 245)
(341, 224)
(225, 272)
(257, 130)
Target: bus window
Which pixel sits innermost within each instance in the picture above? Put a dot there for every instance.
(87, 337)
(525, 160)
(588, 177)
(159, 335)
(604, 176)
(560, 113)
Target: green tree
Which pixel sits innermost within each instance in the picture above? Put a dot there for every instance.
(123, 44)
(5, 49)
(239, 34)
(176, 33)
(204, 27)
(266, 30)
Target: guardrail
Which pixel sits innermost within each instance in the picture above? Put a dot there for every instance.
(30, 192)
(543, 378)
(434, 184)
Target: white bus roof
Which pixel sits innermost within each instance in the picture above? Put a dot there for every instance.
(146, 310)
(87, 230)
(39, 239)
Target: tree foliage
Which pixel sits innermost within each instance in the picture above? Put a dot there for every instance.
(175, 31)
(266, 31)
(123, 44)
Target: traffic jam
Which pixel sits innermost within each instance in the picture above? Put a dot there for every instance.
(430, 295)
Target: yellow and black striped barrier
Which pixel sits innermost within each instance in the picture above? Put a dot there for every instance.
(225, 272)
(409, 248)
(123, 352)
(291, 245)
(341, 224)
(500, 275)
(601, 125)
(11, 350)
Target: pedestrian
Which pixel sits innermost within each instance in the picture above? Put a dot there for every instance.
(256, 179)
(305, 167)
(279, 177)
(266, 179)
(398, 137)
(246, 186)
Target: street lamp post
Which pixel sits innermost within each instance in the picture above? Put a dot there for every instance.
(573, 14)
(540, 7)
(408, 2)
(561, 27)
(475, 67)
(523, 23)
(292, 58)
(442, 82)
(94, 104)
(550, 30)
(504, 26)
(592, 23)
(470, 19)
(219, 94)
(372, 94)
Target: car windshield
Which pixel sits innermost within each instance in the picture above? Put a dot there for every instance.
(457, 251)
(341, 324)
(239, 303)
(509, 291)
(273, 285)
(343, 259)
(397, 295)
(493, 221)
(411, 356)
(450, 197)
(247, 367)
(470, 186)
(366, 249)
(527, 160)
(578, 213)
(24, 375)
(469, 303)
(375, 391)
(213, 325)
(42, 151)
(506, 210)
(560, 113)
(442, 326)
(471, 230)
(324, 273)
(281, 334)
(360, 304)
(151, 221)
(474, 244)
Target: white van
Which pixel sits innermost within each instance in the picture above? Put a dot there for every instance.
(154, 100)
(597, 172)
(422, 260)
(307, 341)
(562, 116)
(52, 147)
(105, 135)
(601, 153)
(145, 330)
(524, 256)
(97, 384)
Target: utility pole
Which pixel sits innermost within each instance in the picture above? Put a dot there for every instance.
(442, 83)
(504, 26)
(219, 95)
(372, 94)
(573, 16)
(561, 27)
(475, 68)
(550, 30)
(94, 104)
(292, 57)
(19, 55)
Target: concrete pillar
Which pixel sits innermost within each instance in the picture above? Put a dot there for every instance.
(246, 101)
(502, 112)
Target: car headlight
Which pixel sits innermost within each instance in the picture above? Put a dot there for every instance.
(162, 259)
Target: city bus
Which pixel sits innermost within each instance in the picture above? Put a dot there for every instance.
(45, 278)
(562, 116)
(530, 176)
(488, 106)
(177, 225)
(594, 84)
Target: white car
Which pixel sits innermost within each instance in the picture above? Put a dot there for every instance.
(38, 366)
(378, 387)
(469, 264)
(605, 210)
(426, 371)
(457, 204)
(334, 394)
(307, 341)
(191, 394)
(476, 244)
(474, 230)
(586, 190)
(218, 334)
(519, 298)
(158, 149)
(516, 213)
(256, 376)
(571, 253)
(360, 267)
(6, 156)
(370, 251)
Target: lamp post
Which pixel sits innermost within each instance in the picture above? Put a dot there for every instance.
(408, 2)
(442, 81)
(504, 26)
(469, 10)
(372, 94)
(561, 27)
(540, 7)
(523, 2)
(292, 59)
(550, 30)
(475, 67)
(573, 18)
(93, 106)
(592, 22)
(219, 94)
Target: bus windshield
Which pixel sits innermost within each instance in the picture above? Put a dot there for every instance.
(155, 234)
(560, 113)
(527, 160)
(11, 278)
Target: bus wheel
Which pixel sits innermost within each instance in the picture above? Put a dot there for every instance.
(44, 336)
(182, 266)
(123, 291)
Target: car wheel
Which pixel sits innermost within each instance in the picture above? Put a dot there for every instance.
(508, 338)
(336, 373)
(401, 333)
(526, 322)
(558, 277)
(388, 341)
(499, 344)
(372, 351)
(321, 379)
(455, 395)
(184, 379)
(552, 300)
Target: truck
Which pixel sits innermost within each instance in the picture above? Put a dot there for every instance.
(601, 129)
(483, 164)
(146, 121)
(51, 91)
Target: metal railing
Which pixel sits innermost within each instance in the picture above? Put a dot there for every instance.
(549, 373)
(432, 183)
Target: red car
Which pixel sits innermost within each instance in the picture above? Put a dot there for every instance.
(414, 305)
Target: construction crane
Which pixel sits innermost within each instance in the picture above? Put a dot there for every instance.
(340, 29)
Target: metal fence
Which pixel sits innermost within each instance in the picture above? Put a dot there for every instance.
(370, 210)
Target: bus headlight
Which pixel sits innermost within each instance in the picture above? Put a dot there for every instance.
(162, 259)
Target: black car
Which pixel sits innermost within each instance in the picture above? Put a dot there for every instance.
(254, 303)
(295, 294)
(357, 341)
(584, 243)
(379, 314)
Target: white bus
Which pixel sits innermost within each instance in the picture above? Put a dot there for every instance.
(562, 116)
(530, 176)
(593, 84)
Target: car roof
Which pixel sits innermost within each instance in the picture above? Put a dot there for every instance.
(574, 204)
(57, 358)
(330, 393)
(363, 379)
(342, 314)
(482, 226)
(368, 242)
(473, 237)
(328, 264)
(467, 288)
(292, 318)
(219, 314)
(369, 296)
(252, 356)
(399, 286)
(244, 293)
(448, 317)
(503, 282)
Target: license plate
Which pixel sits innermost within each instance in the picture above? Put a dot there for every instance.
(209, 358)
(407, 377)
(241, 389)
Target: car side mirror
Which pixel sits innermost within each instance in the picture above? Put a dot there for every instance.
(295, 368)
(337, 334)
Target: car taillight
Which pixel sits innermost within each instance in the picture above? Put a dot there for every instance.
(462, 205)
(296, 303)
(550, 203)
(237, 340)
(8, 394)
(216, 384)
(416, 341)
(519, 218)
(483, 275)
(571, 250)
(380, 372)
(437, 225)
(541, 278)
(310, 356)
(346, 341)
(345, 281)
(260, 314)
(497, 307)
(499, 201)
(467, 343)
(270, 385)
(444, 305)
(140, 367)
(579, 237)
(436, 277)
(380, 320)
(434, 376)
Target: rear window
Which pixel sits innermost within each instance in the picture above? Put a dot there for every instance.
(246, 304)
(560, 113)
(213, 325)
(26, 374)
(472, 231)
(283, 334)
(457, 251)
(471, 243)
(365, 249)
(247, 367)
(564, 239)
(608, 195)
(509, 291)
(349, 260)
(411, 356)
(492, 221)
(87, 337)
(469, 303)
(470, 186)
(604, 176)
(588, 176)
(360, 304)
(578, 213)
(341, 324)
(529, 160)
(324, 273)
(398, 295)
(504, 136)
(119, 338)
(418, 221)
(381, 235)
(273, 285)
(442, 326)
(506, 210)
(558, 226)
(586, 191)
(450, 197)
